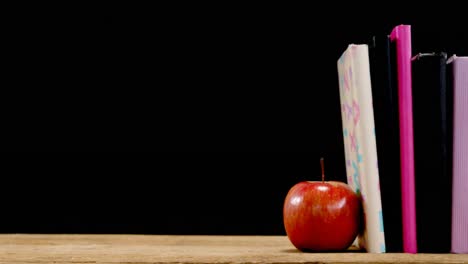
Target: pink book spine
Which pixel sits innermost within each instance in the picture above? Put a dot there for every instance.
(402, 36)
(460, 157)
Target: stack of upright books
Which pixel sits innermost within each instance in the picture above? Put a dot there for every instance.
(405, 130)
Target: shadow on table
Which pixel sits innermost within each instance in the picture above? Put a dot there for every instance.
(352, 249)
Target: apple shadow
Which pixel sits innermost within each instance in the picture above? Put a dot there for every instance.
(291, 250)
(295, 250)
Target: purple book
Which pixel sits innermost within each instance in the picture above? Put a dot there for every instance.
(460, 155)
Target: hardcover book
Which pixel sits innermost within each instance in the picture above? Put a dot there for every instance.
(432, 152)
(360, 144)
(385, 101)
(460, 155)
(401, 39)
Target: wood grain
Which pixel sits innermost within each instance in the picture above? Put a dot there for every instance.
(23, 248)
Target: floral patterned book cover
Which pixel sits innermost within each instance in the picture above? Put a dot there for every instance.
(359, 141)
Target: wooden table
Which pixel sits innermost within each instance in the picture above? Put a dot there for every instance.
(184, 249)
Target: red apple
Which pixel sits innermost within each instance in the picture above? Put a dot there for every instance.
(321, 215)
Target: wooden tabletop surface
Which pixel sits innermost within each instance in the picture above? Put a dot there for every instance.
(22, 248)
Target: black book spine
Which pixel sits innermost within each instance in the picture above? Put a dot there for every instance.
(385, 101)
(432, 148)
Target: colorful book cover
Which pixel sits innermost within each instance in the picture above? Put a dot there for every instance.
(401, 37)
(360, 144)
(460, 155)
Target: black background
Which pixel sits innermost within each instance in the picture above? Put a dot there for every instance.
(183, 119)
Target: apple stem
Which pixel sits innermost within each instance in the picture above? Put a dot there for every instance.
(323, 169)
